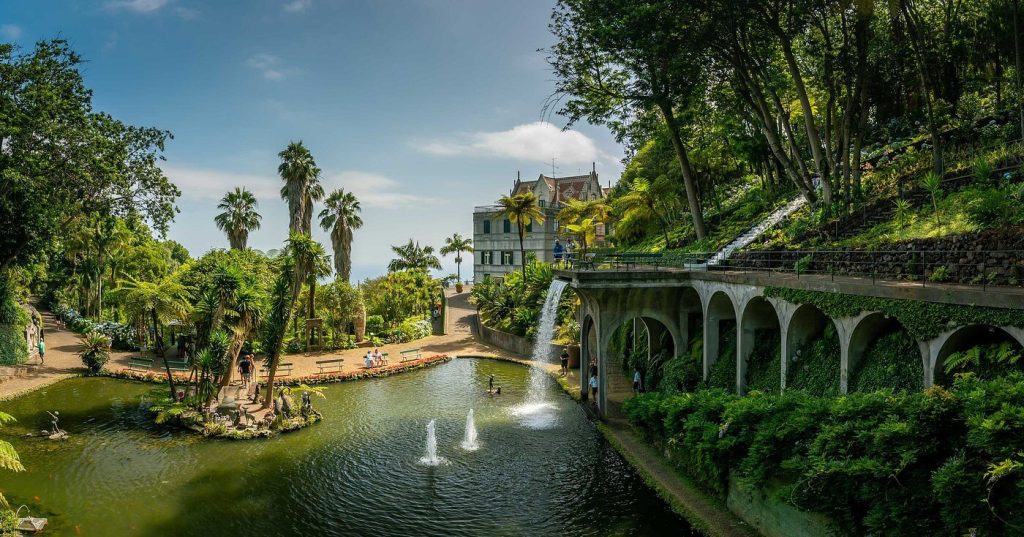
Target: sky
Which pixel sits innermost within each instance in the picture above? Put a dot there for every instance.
(422, 108)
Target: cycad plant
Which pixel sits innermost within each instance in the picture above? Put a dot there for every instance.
(95, 350)
(932, 183)
(981, 170)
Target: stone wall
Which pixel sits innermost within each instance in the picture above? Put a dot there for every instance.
(513, 343)
(995, 257)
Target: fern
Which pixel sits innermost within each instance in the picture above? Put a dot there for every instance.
(963, 360)
(9, 459)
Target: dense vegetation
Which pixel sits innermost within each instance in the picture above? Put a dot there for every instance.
(935, 462)
(513, 304)
(729, 107)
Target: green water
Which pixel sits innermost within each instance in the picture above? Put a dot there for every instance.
(356, 473)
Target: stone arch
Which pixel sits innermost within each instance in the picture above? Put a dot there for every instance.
(806, 323)
(964, 338)
(869, 330)
(656, 341)
(589, 345)
(719, 318)
(759, 332)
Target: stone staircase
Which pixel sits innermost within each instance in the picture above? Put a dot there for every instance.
(753, 233)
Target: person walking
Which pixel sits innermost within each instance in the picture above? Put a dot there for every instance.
(42, 349)
(245, 370)
(638, 381)
(593, 389)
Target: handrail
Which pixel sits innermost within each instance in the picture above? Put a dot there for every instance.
(1003, 267)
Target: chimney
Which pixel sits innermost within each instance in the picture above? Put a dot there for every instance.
(593, 167)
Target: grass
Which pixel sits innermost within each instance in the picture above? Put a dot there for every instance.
(954, 219)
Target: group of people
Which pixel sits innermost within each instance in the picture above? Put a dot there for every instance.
(375, 359)
(246, 366)
(564, 254)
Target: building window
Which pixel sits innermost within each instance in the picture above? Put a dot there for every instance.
(507, 226)
(506, 258)
(487, 226)
(529, 227)
(485, 258)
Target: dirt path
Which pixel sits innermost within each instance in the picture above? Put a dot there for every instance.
(61, 361)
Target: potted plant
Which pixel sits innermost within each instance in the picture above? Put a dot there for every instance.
(95, 350)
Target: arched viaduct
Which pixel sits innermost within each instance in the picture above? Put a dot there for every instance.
(686, 304)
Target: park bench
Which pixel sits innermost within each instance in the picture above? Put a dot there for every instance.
(589, 262)
(178, 366)
(139, 363)
(330, 364)
(632, 259)
(283, 370)
(411, 354)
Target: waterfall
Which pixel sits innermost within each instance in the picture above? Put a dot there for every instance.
(469, 443)
(430, 458)
(542, 345)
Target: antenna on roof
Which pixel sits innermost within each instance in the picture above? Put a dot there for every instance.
(593, 167)
(553, 167)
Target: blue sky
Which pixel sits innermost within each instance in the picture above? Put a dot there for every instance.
(423, 108)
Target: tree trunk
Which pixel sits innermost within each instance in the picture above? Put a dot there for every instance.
(158, 345)
(684, 164)
(1017, 64)
(522, 248)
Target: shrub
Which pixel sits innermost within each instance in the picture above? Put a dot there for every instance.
(815, 365)
(723, 371)
(95, 350)
(892, 362)
(374, 324)
(990, 207)
(764, 369)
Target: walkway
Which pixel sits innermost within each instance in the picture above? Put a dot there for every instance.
(62, 361)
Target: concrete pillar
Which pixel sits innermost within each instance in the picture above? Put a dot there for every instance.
(744, 346)
(710, 342)
(845, 327)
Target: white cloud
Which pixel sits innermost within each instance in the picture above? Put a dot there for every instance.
(372, 189)
(538, 141)
(10, 31)
(138, 6)
(296, 6)
(268, 65)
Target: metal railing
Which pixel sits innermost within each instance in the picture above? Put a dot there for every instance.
(923, 267)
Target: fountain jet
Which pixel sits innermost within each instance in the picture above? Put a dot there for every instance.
(430, 458)
(469, 442)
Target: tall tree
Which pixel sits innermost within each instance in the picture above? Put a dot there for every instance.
(615, 60)
(239, 216)
(248, 307)
(522, 210)
(413, 257)
(302, 186)
(339, 218)
(456, 244)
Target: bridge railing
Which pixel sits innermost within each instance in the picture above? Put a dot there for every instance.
(965, 267)
(923, 267)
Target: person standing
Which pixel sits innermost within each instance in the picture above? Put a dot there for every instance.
(593, 388)
(564, 358)
(637, 381)
(42, 349)
(558, 250)
(245, 369)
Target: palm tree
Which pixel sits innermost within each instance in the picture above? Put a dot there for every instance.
(297, 253)
(157, 302)
(239, 216)
(412, 257)
(302, 186)
(521, 210)
(339, 218)
(586, 230)
(320, 267)
(456, 244)
(643, 202)
(248, 307)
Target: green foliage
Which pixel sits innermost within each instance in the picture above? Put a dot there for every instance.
(723, 371)
(681, 374)
(891, 362)
(815, 367)
(990, 207)
(903, 209)
(94, 350)
(764, 366)
(987, 361)
(399, 295)
(932, 462)
(981, 170)
(513, 304)
(923, 320)
(375, 324)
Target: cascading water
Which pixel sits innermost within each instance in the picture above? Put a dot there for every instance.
(430, 458)
(536, 411)
(542, 345)
(469, 442)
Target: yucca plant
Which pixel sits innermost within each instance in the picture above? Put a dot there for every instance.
(95, 350)
(932, 183)
(902, 211)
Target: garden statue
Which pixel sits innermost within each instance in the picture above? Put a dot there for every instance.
(56, 433)
(286, 404)
(307, 402)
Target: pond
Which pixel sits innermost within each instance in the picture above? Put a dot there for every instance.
(356, 473)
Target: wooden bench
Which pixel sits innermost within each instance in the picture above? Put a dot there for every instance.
(330, 364)
(140, 364)
(409, 354)
(178, 366)
(283, 370)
